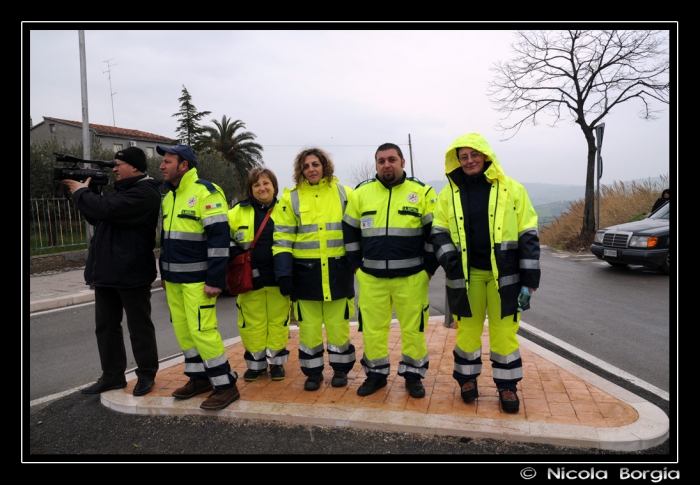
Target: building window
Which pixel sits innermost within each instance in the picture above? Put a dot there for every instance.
(149, 152)
(117, 147)
(52, 128)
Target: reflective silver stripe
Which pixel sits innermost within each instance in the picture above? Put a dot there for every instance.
(352, 221)
(414, 362)
(343, 196)
(255, 273)
(403, 368)
(444, 249)
(221, 380)
(283, 243)
(185, 236)
(508, 374)
(438, 230)
(460, 283)
(217, 253)
(375, 362)
(194, 367)
(506, 245)
(392, 264)
(339, 349)
(295, 203)
(259, 355)
(314, 351)
(307, 228)
(468, 370)
(335, 243)
(352, 247)
(468, 355)
(427, 247)
(508, 280)
(427, 219)
(190, 353)
(207, 221)
(279, 359)
(216, 361)
(307, 245)
(392, 231)
(256, 365)
(505, 359)
(341, 358)
(530, 263)
(311, 363)
(383, 370)
(532, 230)
(285, 229)
(334, 226)
(185, 268)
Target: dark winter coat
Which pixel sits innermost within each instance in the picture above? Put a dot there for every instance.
(121, 251)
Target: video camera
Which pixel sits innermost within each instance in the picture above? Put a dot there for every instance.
(98, 177)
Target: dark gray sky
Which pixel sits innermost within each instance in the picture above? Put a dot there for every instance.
(346, 91)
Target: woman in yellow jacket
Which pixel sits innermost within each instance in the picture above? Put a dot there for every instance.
(263, 313)
(313, 267)
(485, 236)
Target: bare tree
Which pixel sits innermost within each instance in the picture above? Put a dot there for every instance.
(580, 75)
(364, 171)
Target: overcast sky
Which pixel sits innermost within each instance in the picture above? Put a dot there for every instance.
(345, 91)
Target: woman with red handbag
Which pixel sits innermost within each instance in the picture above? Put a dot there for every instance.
(263, 312)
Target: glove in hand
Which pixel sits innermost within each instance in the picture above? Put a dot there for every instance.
(286, 285)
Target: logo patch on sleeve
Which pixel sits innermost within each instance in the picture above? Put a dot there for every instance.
(213, 206)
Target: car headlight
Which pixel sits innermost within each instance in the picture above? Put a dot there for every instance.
(643, 241)
(599, 237)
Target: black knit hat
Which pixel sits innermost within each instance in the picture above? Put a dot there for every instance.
(134, 156)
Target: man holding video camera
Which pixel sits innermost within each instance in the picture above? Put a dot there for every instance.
(121, 266)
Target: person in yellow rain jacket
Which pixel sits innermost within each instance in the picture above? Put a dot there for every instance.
(263, 312)
(314, 269)
(485, 237)
(386, 228)
(194, 244)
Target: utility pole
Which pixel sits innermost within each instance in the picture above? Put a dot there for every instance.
(109, 75)
(86, 123)
(410, 152)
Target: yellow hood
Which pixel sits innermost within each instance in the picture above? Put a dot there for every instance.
(477, 142)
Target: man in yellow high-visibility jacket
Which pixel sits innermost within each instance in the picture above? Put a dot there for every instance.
(194, 255)
(386, 228)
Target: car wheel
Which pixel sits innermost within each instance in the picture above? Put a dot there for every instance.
(666, 267)
(617, 265)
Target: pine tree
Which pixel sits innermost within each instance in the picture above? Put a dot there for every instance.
(189, 132)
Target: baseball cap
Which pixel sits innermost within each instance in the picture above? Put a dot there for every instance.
(185, 151)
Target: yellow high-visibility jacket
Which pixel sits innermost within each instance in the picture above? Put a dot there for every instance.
(308, 241)
(515, 248)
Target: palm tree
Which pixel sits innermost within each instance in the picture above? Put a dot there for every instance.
(238, 149)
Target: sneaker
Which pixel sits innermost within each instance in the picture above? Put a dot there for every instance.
(193, 387)
(469, 391)
(340, 379)
(220, 398)
(276, 372)
(252, 375)
(415, 388)
(313, 382)
(370, 386)
(509, 400)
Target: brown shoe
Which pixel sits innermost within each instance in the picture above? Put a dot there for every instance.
(509, 400)
(469, 391)
(220, 398)
(192, 388)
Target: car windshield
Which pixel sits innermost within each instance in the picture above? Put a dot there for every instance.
(661, 212)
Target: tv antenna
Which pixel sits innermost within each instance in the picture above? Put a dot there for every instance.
(109, 75)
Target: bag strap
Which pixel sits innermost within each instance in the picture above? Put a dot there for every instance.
(260, 229)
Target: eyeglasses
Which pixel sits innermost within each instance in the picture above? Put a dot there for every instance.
(466, 157)
(120, 164)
